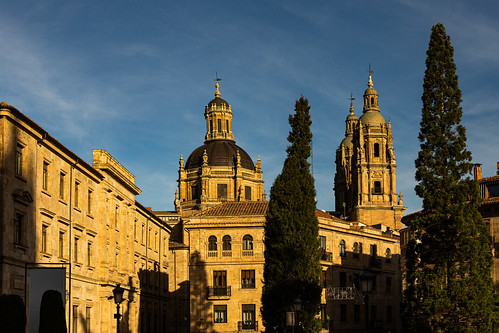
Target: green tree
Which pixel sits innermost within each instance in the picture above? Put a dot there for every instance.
(292, 267)
(449, 285)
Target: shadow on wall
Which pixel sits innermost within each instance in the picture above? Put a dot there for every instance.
(201, 309)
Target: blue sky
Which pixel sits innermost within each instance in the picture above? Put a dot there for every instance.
(133, 77)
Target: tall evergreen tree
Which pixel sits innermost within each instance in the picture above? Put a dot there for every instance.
(449, 285)
(292, 267)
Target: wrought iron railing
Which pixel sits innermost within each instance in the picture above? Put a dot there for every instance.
(327, 256)
(218, 291)
(247, 326)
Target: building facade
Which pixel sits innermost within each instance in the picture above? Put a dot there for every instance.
(365, 180)
(58, 211)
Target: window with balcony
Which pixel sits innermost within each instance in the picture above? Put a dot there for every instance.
(248, 279)
(226, 245)
(248, 317)
(247, 245)
(220, 313)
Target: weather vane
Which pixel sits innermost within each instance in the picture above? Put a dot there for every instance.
(370, 71)
(217, 78)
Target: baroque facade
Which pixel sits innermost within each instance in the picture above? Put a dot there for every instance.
(199, 268)
(365, 180)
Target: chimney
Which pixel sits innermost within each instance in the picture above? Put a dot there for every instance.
(477, 171)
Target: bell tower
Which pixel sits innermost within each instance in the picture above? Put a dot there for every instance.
(368, 188)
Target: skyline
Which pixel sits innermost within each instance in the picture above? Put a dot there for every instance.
(133, 79)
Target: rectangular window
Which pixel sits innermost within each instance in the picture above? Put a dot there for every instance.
(45, 176)
(356, 313)
(247, 193)
(89, 254)
(219, 124)
(62, 175)
(374, 250)
(156, 240)
(19, 159)
(44, 238)
(89, 201)
(222, 191)
(248, 279)
(377, 187)
(220, 278)
(248, 316)
(135, 230)
(389, 314)
(61, 244)
(227, 125)
(343, 279)
(116, 216)
(343, 312)
(220, 313)
(143, 233)
(75, 250)
(388, 284)
(322, 240)
(18, 228)
(77, 193)
(75, 318)
(87, 319)
(194, 192)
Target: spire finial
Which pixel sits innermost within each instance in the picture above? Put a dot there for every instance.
(351, 102)
(217, 93)
(370, 83)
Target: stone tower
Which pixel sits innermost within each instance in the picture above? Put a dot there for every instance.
(365, 180)
(219, 170)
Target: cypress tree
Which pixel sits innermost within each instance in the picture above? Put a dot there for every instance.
(292, 267)
(449, 285)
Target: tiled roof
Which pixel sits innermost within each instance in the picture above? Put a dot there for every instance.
(491, 201)
(175, 244)
(488, 179)
(237, 208)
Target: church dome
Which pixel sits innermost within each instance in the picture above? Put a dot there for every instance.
(220, 153)
(217, 101)
(372, 118)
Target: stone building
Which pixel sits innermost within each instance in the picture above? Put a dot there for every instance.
(219, 170)
(58, 211)
(489, 191)
(365, 181)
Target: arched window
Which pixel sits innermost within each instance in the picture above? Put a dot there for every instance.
(388, 255)
(376, 150)
(342, 248)
(372, 101)
(247, 242)
(212, 243)
(355, 250)
(226, 246)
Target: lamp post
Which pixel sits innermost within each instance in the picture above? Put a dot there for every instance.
(366, 280)
(297, 306)
(118, 299)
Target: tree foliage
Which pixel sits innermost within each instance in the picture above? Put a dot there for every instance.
(449, 286)
(292, 267)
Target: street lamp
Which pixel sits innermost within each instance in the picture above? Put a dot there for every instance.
(366, 281)
(118, 299)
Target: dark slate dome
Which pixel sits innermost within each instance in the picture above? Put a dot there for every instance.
(220, 153)
(218, 101)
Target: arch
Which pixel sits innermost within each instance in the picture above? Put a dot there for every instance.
(212, 243)
(372, 101)
(342, 248)
(388, 255)
(226, 243)
(247, 242)
(355, 250)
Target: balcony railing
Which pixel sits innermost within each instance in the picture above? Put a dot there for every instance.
(247, 253)
(219, 291)
(212, 254)
(248, 285)
(327, 256)
(247, 326)
(226, 253)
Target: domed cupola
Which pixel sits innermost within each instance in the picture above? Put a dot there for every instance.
(218, 115)
(372, 115)
(219, 170)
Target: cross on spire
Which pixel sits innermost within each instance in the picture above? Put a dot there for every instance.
(217, 93)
